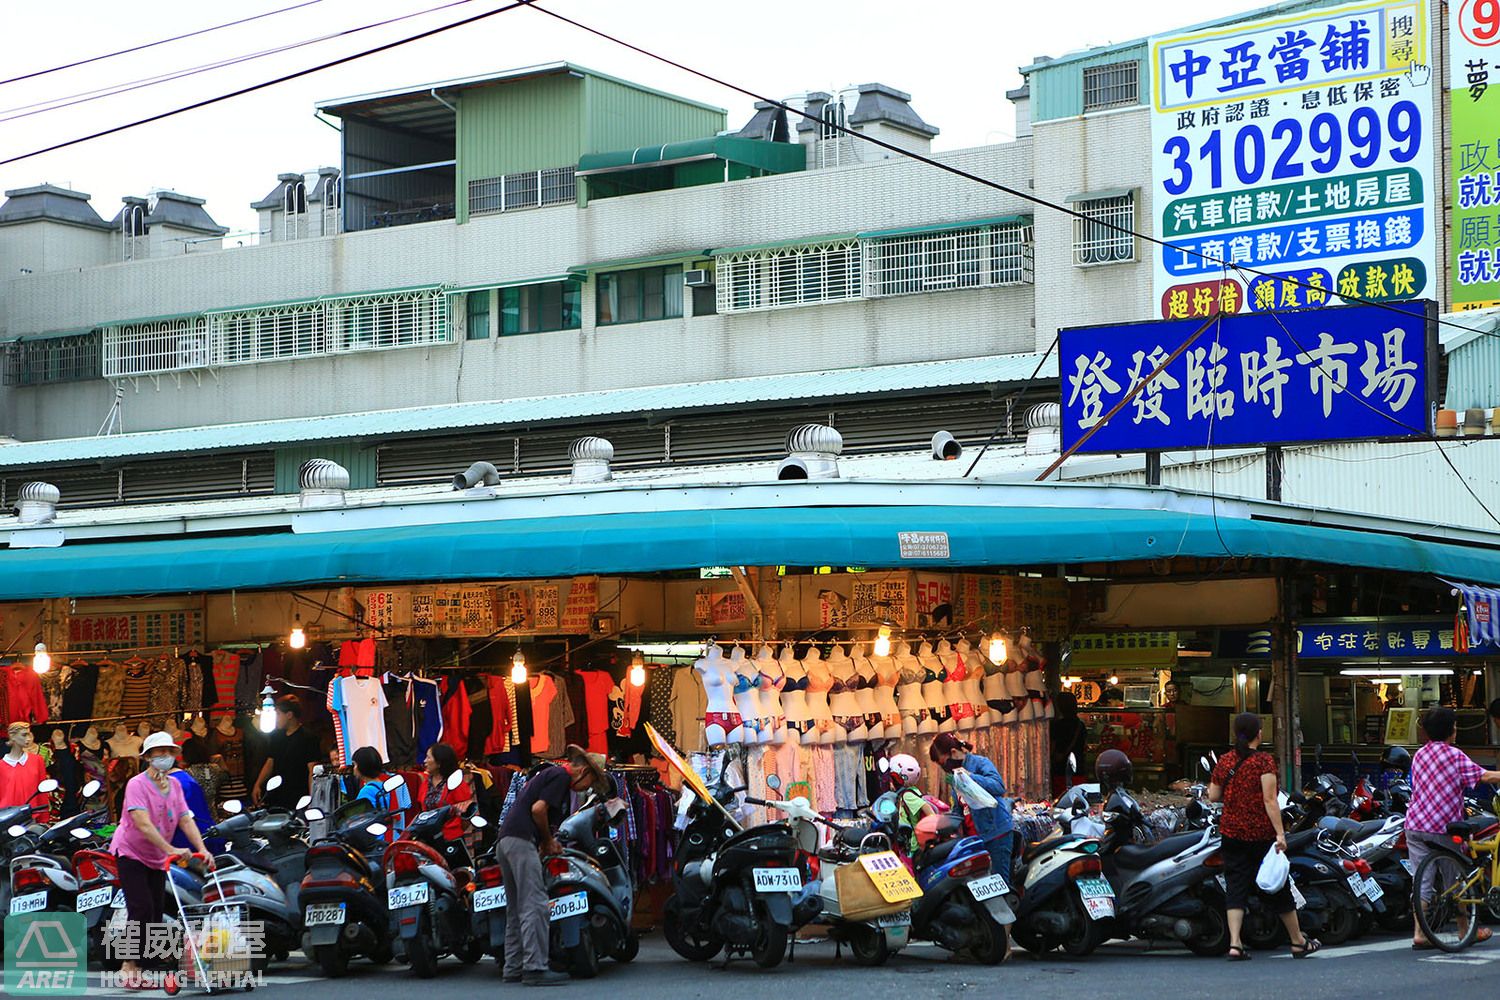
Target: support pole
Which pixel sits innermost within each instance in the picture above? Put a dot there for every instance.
(1287, 721)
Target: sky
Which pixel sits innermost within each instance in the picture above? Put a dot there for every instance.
(956, 58)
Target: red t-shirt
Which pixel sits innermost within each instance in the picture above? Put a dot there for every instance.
(1244, 816)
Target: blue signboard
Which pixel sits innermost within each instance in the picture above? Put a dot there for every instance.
(1335, 374)
(1348, 639)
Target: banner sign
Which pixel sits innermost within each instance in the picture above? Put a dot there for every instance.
(1321, 375)
(1301, 145)
(1474, 90)
(1335, 640)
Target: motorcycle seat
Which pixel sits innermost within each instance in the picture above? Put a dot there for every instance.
(937, 853)
(1368, 828)
(1029, 853)
(1339, 826)
(1300, 840)
(852, 835)
(1471, 826)
(1136, 858)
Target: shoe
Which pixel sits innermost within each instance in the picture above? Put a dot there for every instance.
(546, 977)
(511, 977)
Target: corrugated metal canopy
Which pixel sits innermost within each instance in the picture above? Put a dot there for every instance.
(944, 227)
(379, 424)
(772, 157)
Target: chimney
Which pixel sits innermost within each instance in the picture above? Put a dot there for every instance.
(36, 503)
(1044, 429)
(812, 453)
(322, 484)
(591, 457)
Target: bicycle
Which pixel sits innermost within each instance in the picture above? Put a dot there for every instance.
(1463, 879)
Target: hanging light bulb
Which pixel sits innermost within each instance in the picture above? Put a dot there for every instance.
(638, 670)
(1114, 680)
(518, 668)
(999, 649)
(41, 660)
(883, 641)
(267, 717)
(298, 638)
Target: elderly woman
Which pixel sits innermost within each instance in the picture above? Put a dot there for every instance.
(154, 811)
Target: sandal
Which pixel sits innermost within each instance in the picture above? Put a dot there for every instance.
(1483, 934)
(1310, 946)
(1237, 953)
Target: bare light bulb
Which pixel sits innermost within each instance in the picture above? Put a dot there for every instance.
(638, 670)
(883, 641)
(298, 638)
(41, 660)
(1114, 680)
(999, 652)
(518, 668)
(267, 719)
(1243, 678)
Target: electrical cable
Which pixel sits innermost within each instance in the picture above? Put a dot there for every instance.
(206, 102)
(959, 172)
(1020, 397)
(160, 41)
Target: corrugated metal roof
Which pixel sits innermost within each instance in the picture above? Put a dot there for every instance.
(847, 382)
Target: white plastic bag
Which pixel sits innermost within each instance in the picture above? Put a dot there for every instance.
(972, 792)
(1274, 869)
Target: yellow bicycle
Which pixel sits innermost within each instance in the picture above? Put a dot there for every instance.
(1460, 883)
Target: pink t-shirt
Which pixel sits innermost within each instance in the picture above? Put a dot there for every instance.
(164, 809)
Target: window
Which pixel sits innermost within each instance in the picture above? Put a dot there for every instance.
(977, 257)
(553, 305)
(477, 315)
(147, 348)
(1113, 86)
(527, 189)
(53, 359)
(636, 296)
(789, 276)
(1104, 234)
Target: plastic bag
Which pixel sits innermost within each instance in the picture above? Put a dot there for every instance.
(973, 794)
(1274, 869)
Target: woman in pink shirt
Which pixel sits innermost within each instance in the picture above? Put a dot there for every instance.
(154, 810)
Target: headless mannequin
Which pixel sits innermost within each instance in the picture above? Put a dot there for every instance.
(932, 693)
(772, 680)
(819, 681)
(887, 676)
(973, 683)
(848, 720)
(868, 706)
(794, 697)
(909, 693)
(124, 743)
(754, 719)
(200, 727)
(721, 718)
(59, 740)
(171, 729)
(225, 725)
(959, 710)
(91, 739)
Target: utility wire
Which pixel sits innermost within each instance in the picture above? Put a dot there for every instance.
(264, 84)
(960, 172)
(58, 103)
(161, 41)
(1020, 398)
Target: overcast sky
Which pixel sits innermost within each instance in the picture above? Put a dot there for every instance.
(957, 58)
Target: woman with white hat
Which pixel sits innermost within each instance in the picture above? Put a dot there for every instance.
(154, 810)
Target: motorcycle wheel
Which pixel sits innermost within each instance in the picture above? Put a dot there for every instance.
(1339, 924)
(770, 944)
(420, 953)
(1213, 941)
(629, 949)
(1031, 940)
(993, 942)
(583, 960)
(867, 945)
(1086, 934)
(470, 952)
(332, 962)
(1263, 930)
(691, 943)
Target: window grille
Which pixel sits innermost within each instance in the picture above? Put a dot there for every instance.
(531, 189)
(162, 346)
(977, 257)
(294, 212)
(788, 276)
(523, 190)
(1104, 234)
(1113, 86)
(54, 359)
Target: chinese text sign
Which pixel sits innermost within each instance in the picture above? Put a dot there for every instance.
(1301, 146)
(1474, 93)
(1316, 375)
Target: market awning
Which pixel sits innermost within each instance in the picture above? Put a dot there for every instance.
(1482, 608)
(658, 540)
(759, 154)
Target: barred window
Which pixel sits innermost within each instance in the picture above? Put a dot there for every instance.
(1116, 85)
(149, 348)
(789, 276)
(528, 189)
(977, 257)
(1105, 233)
(53, 359)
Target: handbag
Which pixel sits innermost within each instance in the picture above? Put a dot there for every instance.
(1274, 870)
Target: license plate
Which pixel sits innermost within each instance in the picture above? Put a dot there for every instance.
(1410, 868)
(1373, 891)
(118, 903)
(1297, 897)
(403, 896)
(575, 905)
(902, 919)
(489, 899)
(94, 898)
(320, 914)
(1095, 888)
(34, 902)
(988, 887)
(777, 879)
(1223, 883)
(1357, 884)
(1099, 907)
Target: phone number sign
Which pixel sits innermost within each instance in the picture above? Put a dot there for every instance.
(1301, 146)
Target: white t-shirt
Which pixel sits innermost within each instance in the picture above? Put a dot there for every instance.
(360, 701)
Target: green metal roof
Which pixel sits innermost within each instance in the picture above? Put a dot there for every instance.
(801, 241)
(945, 227)
(627, 263)
(16, 338)
(517, 283)
(773, 157)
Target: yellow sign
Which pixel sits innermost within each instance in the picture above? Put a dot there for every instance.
(1401, 726)
(690, 777)
(890, 876)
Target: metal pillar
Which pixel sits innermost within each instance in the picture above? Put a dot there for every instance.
(1285, 711)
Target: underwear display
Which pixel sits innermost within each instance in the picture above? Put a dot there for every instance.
(727, 721)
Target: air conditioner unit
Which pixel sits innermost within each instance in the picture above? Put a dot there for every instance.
(698, 277)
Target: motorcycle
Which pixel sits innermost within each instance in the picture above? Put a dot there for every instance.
(261, 868)
(343, 897)
(1066, 900)
(593, 898)
(428, 901)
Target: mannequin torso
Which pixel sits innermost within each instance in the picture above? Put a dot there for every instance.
(847, 717)
(721, 717)
(754, 727)
(868, 706)
(124, 743)
(909, 691)
(933, 697)
(799, 720)
(819, 683)
(772, 684)
(973, 683)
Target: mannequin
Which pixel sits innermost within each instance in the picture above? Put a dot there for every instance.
(957, 671)
(721, 718)
(200, 727)
(125, 743)
(171, 728)
(887, 676)
(819, 685)
(933, 697)
(909, 693)
(848, 719)
(772, 683)
(973, 683)
(865, 694)
(90, 739)
(91, 753)
(754, 719)
(1015, 688)
(65, 769)
(143, 729)
(799, 720)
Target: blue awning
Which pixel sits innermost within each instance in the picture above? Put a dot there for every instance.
(1482, 608)
(651, 541)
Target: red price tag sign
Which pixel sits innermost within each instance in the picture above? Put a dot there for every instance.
(1479, 20)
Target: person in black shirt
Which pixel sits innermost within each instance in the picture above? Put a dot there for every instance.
(291, 753)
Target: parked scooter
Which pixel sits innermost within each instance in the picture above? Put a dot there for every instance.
(261, 868)
(593, 898)
(428, 901)
(1066, 900)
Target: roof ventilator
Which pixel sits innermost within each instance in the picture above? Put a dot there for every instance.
(478, 474)
(591, 457)
(1044, 429)
(945, 447)
(812, 453)
(36, 503)
(323, 483)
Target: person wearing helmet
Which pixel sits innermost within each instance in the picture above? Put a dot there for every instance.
(1396, 759)
(1114, 770)
(911, 806)
(994, 826)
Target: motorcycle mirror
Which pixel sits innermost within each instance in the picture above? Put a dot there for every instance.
(478, 822)
(454, 780)
(313, 814)
(773, 782)
(232, 806)
(395, 781)
(1072, 763)
(304, 802)
(274, 783)
(16, 831)
(79, 833)
(884, 765)
(378, 829)
(47, 787)
(91, 789)
(1203, 763)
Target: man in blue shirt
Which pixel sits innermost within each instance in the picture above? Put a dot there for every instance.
(994, 826)
(369, 769)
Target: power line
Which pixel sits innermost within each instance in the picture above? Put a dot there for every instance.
(1025, 388)
(959, 172)
(264, 84)
(71, 100)
(160, 41)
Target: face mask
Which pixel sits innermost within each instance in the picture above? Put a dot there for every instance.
(952, 765)
(163, 762)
